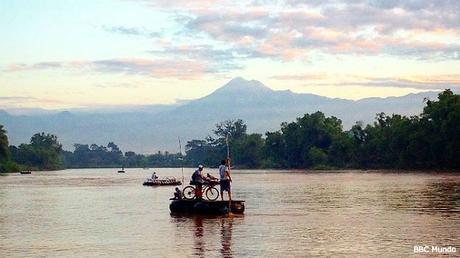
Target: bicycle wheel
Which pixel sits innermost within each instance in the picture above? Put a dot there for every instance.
(212, 193)
(189, 192)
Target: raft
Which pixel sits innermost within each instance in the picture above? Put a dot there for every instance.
(205, 207)
(158, 182)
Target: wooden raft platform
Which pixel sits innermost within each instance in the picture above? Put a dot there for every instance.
(206, 207)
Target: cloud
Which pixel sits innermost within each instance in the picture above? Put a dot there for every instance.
(290, 30)
(15, 98)
(21, 101)
(157, 68)
(131, 31)
(215, 36)
(439, 82)
(36, 66)
(220, 60)
(300, 77)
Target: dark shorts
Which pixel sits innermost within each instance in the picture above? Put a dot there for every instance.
(225, 185)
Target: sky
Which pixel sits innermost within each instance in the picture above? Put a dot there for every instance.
(95, 53)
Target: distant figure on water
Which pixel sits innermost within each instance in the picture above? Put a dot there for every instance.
(225, 179)
(154, 176)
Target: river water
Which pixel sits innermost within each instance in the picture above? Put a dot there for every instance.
(98, 212)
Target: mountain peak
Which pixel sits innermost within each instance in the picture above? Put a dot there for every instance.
(239, 85)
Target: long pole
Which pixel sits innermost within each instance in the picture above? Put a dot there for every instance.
(229, 165)
(228, 150)
(182, 163)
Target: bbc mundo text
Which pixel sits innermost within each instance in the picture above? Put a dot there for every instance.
(434, 249)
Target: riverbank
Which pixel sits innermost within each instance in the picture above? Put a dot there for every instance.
(188, 170)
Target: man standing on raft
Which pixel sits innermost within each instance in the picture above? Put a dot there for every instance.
(225, 179)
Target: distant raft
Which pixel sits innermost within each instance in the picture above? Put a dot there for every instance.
(163, 181)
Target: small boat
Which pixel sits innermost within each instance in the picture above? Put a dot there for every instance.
(121, 171)
(26, 172)
(163, 181)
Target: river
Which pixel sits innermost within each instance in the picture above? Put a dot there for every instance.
(98, 212)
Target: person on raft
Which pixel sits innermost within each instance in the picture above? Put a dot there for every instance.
(154, 176)
(198, 179)
(177, 194)
(225, 179)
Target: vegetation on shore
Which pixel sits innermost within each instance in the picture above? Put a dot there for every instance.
(430, 140)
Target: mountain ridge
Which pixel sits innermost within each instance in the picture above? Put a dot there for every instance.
(262, 108)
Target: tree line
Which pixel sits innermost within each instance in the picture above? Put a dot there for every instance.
(430, 140)
(44, 152)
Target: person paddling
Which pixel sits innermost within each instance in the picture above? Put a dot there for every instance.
(225, 179)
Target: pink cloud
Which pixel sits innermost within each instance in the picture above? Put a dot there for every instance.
(158, 68)
(292, 30)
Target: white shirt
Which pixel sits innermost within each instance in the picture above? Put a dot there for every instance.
(222, 172)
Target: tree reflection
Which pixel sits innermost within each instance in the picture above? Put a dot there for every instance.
(442, 197)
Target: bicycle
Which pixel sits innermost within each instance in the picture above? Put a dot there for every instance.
(208, 188)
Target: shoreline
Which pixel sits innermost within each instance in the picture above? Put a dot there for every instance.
(282, 170)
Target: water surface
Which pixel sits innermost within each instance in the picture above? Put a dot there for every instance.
(98, 212)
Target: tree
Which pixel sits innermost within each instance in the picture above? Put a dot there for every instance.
(248, 151)
(197, 151)
(441, 119)
(4, 150)
(275, 149)
(6, 164)
(43, 152)
(316, 156)
(231, 128)
(313, 134)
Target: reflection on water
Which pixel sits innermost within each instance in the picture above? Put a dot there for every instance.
(445, 197)
(226, 236)
(208, 232)
(102, 213)
(198, 236)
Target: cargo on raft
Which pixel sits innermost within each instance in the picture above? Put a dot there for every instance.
(165, 181)
(206, 207)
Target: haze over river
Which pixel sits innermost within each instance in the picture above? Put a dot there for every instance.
(98, 212)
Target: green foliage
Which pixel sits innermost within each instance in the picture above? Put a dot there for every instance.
(316, 156)
(95, 156)
(431, 140)
(4, 151)
(247, 149)
(233, 128)
(9, 166)
(42, 153)
(6, 164)
(308, 142)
